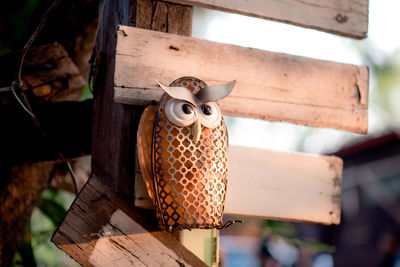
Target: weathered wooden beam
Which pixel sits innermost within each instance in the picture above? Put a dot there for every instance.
(270, 86)
(284, 186)
(277, 185)
(49, 74)
(347, 18)
(115, 125)
(101, 229)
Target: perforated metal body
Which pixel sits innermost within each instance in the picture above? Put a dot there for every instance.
(190, 178)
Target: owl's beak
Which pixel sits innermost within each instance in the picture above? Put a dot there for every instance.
(196, 131)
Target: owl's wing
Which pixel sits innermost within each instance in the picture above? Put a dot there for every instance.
(144, 142)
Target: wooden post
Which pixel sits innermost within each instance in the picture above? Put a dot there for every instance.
(115, 125)
(112, 145)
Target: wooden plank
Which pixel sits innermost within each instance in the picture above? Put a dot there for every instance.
(347, 18)
(277, 185)
(292, 186)
(270, 86)
(101, 229)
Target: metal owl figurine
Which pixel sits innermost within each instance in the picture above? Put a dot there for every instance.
(183, 150)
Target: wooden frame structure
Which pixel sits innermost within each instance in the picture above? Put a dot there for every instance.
(103, 229)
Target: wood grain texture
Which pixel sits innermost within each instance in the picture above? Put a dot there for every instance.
(276, 185)
(270, 86)
(164, 17)
(115, 125)
(347, 18)
(101, 229)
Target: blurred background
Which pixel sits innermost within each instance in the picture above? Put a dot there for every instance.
(369, 234)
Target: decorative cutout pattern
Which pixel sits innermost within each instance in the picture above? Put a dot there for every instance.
(190, 178)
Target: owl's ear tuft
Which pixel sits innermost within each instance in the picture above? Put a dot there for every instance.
(181, 93)
(215, 93)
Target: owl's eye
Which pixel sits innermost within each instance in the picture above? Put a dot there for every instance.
(206, 109)
(187, 108)
(209, 116)
(179, 112)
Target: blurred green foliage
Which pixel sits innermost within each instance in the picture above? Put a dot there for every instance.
(385, 84)
(86, 94)
(16, 17)
(287, 231)
(36, 248)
